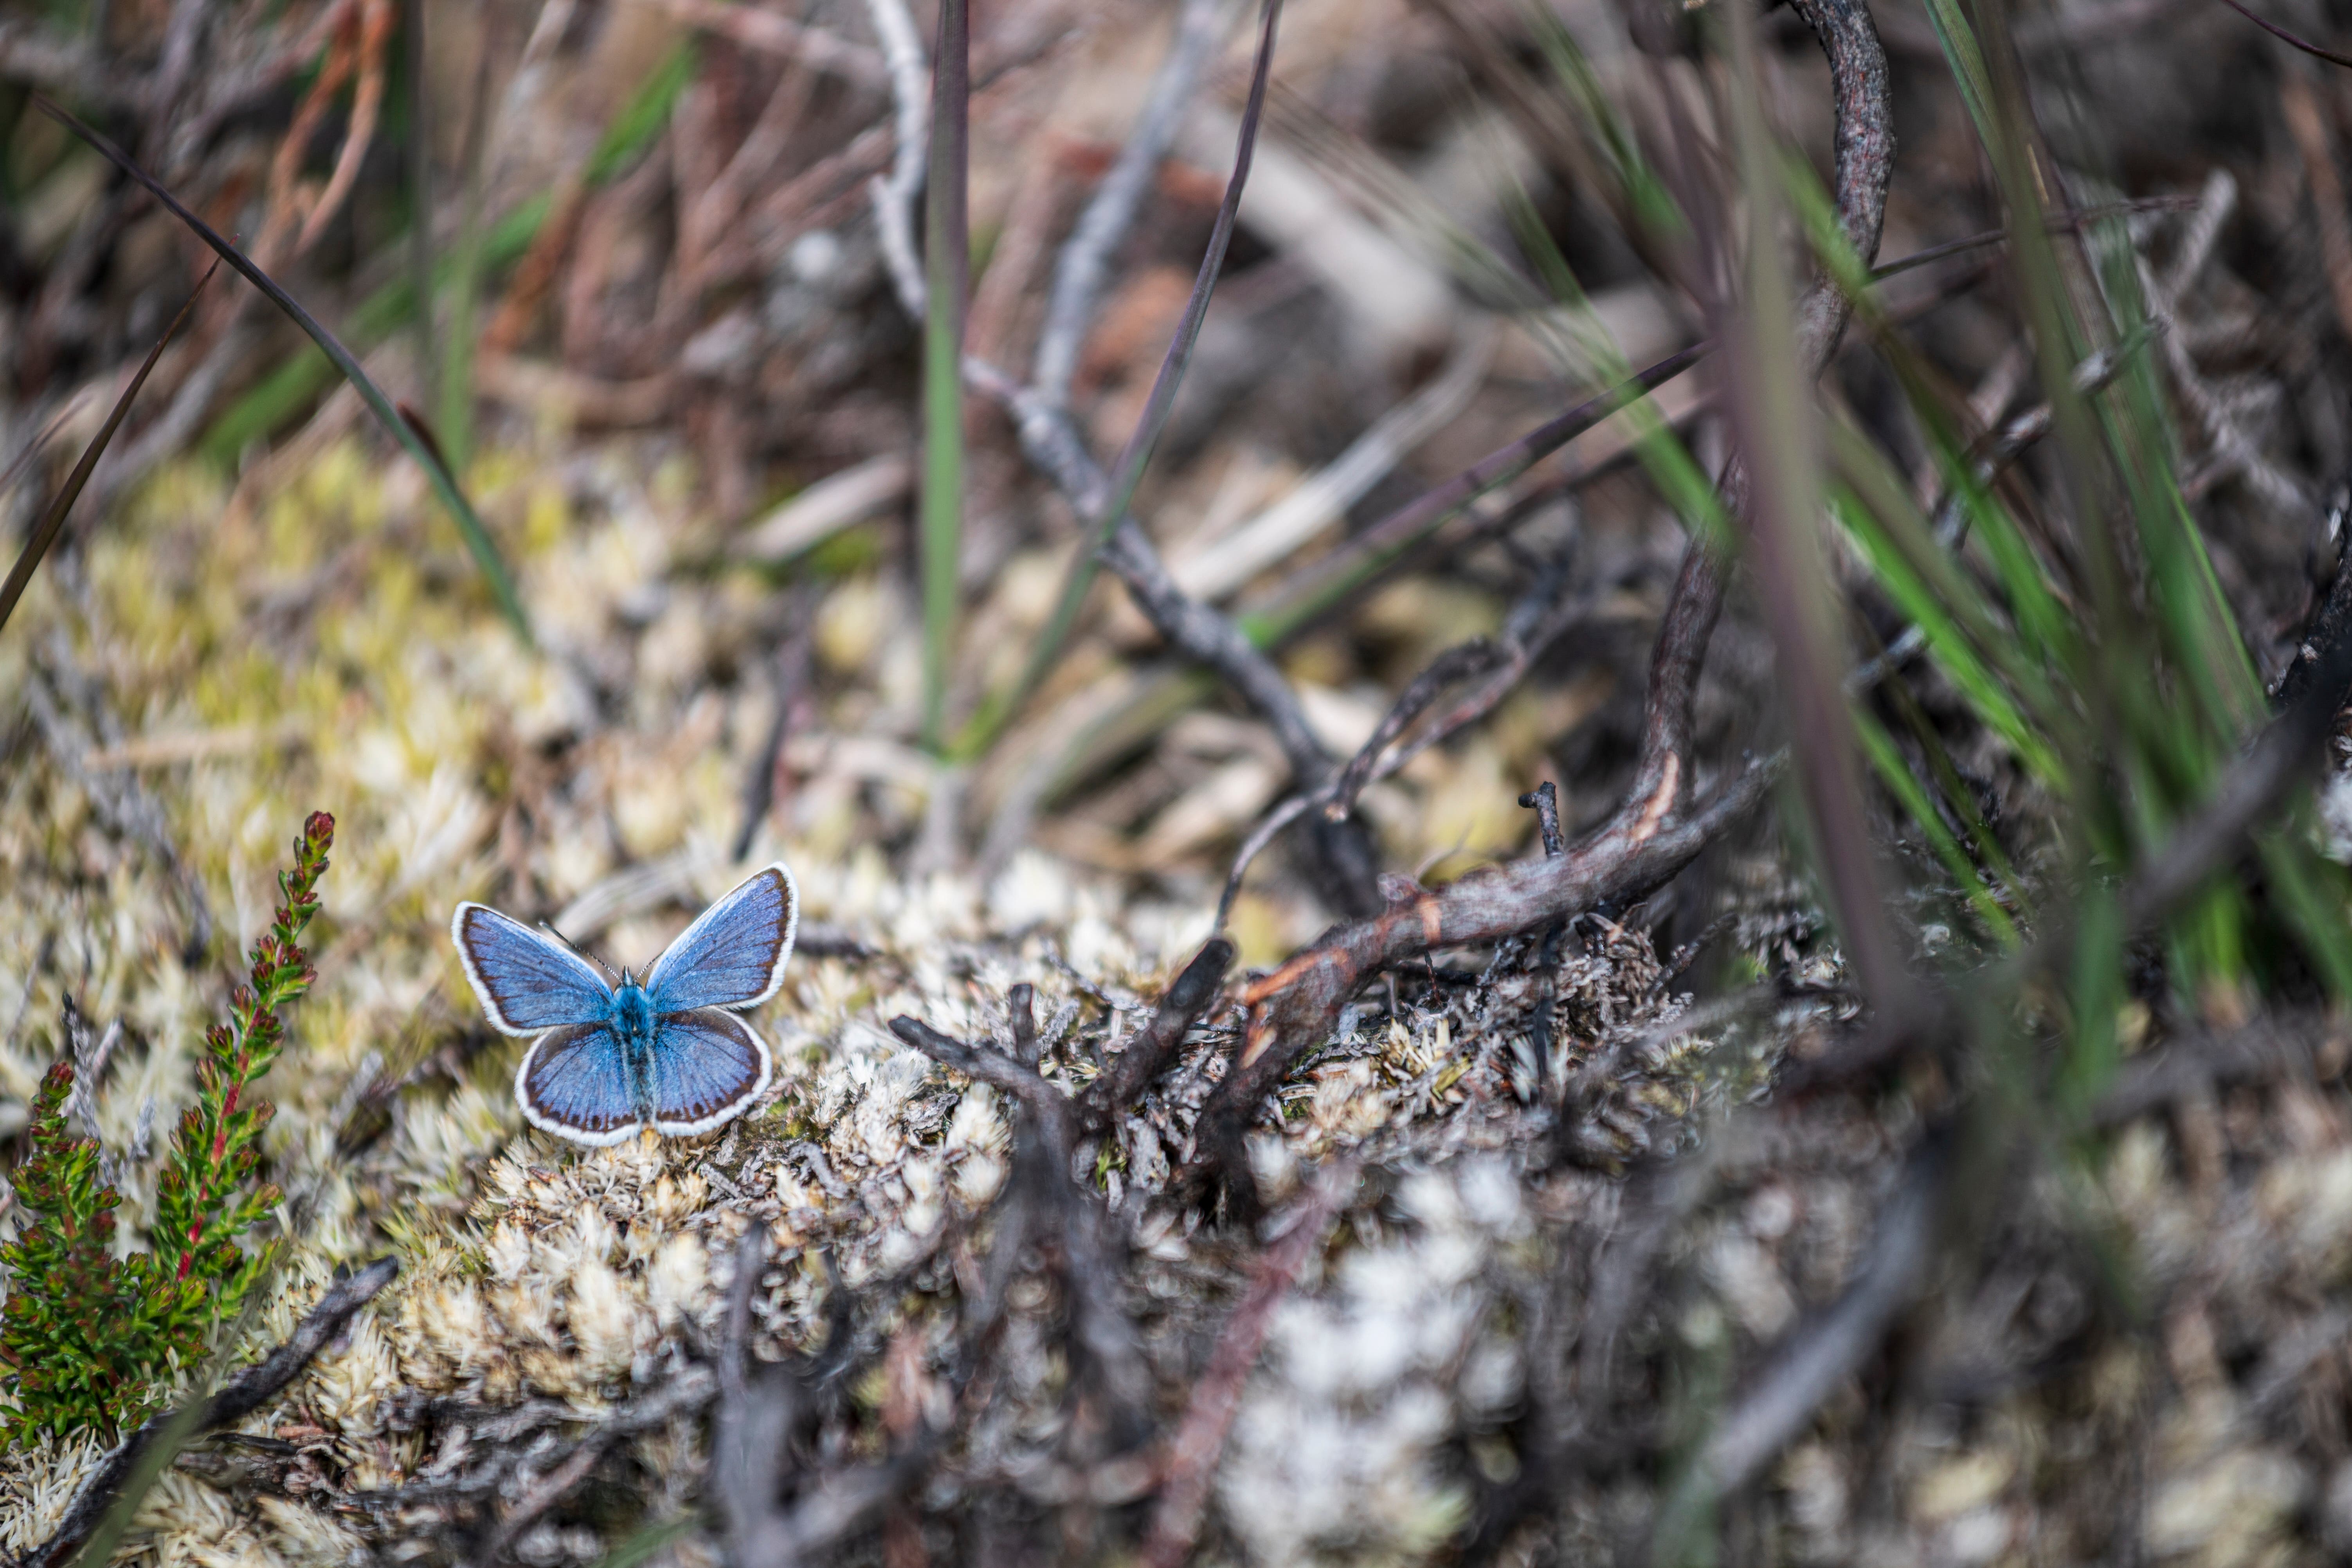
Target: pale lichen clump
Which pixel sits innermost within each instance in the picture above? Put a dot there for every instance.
(1366, 1379)
(327, 646)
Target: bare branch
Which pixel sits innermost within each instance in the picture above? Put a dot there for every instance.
(685, 1395)
(2275, 31)
(894, 197)
(1149, 1049)
(1085, 262)
(1448, 669)
(237, 1398)
(1263, 834)
(1544, 801)
(1049, 1104)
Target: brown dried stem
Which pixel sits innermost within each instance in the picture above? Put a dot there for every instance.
(1194, 992)
(1655, 833)
(1073, 1222)
(237, 1398)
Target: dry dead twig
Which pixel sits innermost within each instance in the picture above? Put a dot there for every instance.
(239, 1397)
(1655, 833)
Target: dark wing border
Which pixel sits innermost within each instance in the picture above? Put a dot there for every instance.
(721, 1021)
(686, 939)
(554, 1040)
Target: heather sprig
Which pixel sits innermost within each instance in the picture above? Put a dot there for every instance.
(203, 1204)
(89, 1334)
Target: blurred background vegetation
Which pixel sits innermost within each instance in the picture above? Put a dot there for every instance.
(694, 504)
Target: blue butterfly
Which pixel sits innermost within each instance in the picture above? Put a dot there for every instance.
(664, 1053)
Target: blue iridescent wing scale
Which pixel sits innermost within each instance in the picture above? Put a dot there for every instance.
(573, 1083)
(733, 956)
(708, 1067)
(527, 981)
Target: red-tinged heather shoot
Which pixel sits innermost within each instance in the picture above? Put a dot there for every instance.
(89, 1335)
(203, 1204)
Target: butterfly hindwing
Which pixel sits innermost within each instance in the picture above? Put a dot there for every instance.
(527, 981)
(706, 1067)
(733, 955)
(574, 1083)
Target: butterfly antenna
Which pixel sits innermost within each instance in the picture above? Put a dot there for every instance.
(575, 947)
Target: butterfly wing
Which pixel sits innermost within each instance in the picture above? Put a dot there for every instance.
(733, 956)
(708, 1068)
(573, 1083)
(527, 981)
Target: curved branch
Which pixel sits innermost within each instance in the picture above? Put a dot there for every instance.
(1653, 834)
(237, 1398)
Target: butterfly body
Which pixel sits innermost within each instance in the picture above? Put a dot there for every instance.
(632, 1021)
(667, 1053)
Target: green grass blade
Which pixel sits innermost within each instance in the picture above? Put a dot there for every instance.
(2310, 896)
(53, 521)
(644, 116)
(1979, 837)
(2095, 993)
(1966, 62)
(947, 259)
(444, 484)
(648, 1541)
(1964, 633)
(1887, 762)
(2040, 617)
(1671, 466)
(1644, 197)
(456, 410)
(417, 148)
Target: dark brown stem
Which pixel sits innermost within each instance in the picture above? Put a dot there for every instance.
(1544, 801)
(1023, 1000)
(1450, 668)
(1201, 633)
(2275, 31)
(237, 1398)
(1191, 995)
(1042, 1100)
(1653, 834)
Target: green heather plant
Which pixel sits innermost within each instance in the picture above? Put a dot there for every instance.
(90, 1335)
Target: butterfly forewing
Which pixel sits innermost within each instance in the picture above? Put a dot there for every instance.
(708, 1065)
(527, 981)
(734, 954)
(573, 1083)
